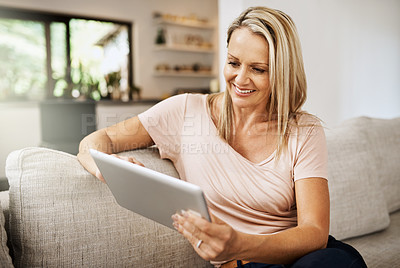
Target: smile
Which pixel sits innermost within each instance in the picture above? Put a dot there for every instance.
(241, 91)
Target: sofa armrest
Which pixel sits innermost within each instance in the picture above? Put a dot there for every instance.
(5, 259)
(60, 215)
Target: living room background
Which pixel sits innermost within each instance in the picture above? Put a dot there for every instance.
(351, 53)
(18, 116)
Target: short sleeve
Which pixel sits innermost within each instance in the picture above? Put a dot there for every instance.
(311, 155)
(164, 123)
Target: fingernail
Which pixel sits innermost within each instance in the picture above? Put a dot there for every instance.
(175, 225)
(185, 214)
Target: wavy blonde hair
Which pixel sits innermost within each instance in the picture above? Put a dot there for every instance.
(286, 72)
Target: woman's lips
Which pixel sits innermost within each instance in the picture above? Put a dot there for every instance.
(243, 92)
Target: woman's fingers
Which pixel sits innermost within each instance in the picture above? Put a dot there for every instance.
(99, 176)
(129, 159)
(126, 158)
(187, 228)
(198, 239)
(216, 236)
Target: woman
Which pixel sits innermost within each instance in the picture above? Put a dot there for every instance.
(260, 159)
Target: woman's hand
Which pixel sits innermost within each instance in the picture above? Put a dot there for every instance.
(126, 158)
(219, 241)
(129, 159)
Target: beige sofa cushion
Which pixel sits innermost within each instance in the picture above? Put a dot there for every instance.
(381, 249)
(357, 203)
(61, 216)
(5, 259)
(384, 140)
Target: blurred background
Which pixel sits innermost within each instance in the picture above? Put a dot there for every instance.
(71, 67)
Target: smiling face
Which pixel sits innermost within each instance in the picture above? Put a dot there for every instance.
(246, 70)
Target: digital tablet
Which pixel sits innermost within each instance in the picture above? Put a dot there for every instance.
(147, 192)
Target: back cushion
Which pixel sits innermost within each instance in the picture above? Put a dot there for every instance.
(62, 216)
(384, 140)
(357, 203)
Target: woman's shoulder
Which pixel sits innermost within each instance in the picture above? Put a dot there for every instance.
(174, 99)
(305, 124)
(304, 119)
(196, 97)
(186, 97)
(174, 105)
(186, 103)
(196, 103)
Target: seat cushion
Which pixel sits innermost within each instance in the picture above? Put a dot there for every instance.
(358, 205)
(381, 249)
(62, 216)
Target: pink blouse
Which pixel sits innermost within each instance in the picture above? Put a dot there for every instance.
(254, 198)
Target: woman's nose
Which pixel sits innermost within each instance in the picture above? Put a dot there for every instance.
(242, 77)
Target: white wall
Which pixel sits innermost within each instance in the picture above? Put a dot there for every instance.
(20, 128)
(351, 52)
(140, 13)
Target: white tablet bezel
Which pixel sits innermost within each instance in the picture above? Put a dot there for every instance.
(147, 192)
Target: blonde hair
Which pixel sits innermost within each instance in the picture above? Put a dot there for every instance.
(286, 71)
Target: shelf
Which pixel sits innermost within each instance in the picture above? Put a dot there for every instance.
(183, 48)
(188, 23)
(191, 35)
(183, 74)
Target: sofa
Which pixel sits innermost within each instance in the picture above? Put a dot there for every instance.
(56, 214)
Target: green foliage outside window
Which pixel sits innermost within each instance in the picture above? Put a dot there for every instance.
(23, 59)
(25, 63)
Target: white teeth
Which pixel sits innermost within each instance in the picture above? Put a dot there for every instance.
(244, 91)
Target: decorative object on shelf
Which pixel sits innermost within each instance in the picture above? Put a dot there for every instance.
(194, 70)
(160, 39)
(181, 36)
(204, 48)
(191, 20)
(135, 93)
(113, 85)
(177, 40)
(119, 93)
(163, 67)
(214, 85)
(191, 90)
(193, 40)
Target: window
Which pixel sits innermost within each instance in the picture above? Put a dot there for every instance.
(48, 55)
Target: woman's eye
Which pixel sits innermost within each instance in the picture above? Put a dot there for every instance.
(258, 70)
(233, 64)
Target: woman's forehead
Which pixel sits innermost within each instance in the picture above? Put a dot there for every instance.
(245, 44)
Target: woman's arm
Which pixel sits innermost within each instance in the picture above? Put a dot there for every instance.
(221, 242)
(126, 135)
